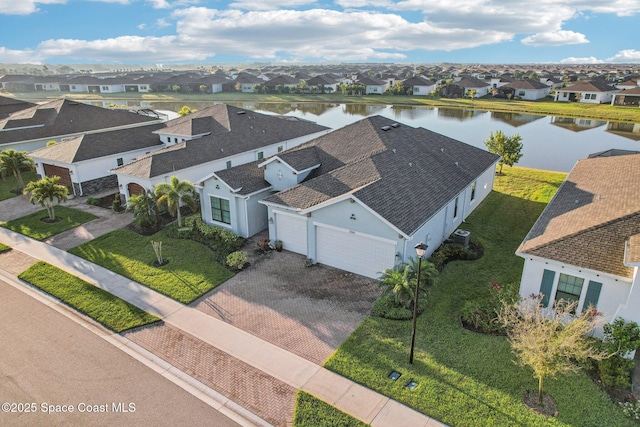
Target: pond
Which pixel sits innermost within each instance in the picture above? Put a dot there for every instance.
(551, 143)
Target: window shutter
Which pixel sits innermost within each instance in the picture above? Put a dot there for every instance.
(546, 286)
(593, 294)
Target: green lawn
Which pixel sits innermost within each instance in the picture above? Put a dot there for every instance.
(313, 412)
(107, 309)
(466, 378)
(4, 248)
(190, 273)
(9, 183)
(33, 226)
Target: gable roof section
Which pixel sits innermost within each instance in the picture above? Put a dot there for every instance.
(95, 145)
(244, 179)
(417, 81)
(234, 131)
(404, 174)
(65, 117)
(9, 106)
(526, 84)
(590, 86)
(470, 82)
(593, 213)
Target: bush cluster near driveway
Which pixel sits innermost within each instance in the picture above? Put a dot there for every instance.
(466, 378)
(107, 309)
(189, 274)
(33, 226)
(8, 184)
(313, 412)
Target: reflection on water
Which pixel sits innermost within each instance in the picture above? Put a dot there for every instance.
(544, 146)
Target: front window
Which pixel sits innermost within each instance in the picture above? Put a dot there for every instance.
(569, 288)
(220, 210)
(260, 155)
(120, 161)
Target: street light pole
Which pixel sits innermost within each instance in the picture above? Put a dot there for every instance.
(421, 249)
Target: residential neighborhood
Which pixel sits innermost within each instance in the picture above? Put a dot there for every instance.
(274, 267)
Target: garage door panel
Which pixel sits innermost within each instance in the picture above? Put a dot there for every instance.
(358, 253)
(293, 233)
(63, 173)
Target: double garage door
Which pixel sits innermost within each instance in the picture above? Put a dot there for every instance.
(355, 252)
(63, 173)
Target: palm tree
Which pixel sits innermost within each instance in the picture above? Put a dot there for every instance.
(428, 272)
(144, 208)
(45, 191)
(400, 281)
(13, 161)
(175, 194)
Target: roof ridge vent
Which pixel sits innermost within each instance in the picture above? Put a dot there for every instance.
(385, 128)
(395, 125)
(240, 112)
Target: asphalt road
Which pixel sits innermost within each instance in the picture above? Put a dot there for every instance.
(55, 372)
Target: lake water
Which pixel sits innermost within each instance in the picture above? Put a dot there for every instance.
(552, 143)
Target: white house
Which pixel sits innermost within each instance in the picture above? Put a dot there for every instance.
(585, 246)
(419, 86)
(527, 89)
(211, 139)
(358, 198)
(83, 162)
(590, 92)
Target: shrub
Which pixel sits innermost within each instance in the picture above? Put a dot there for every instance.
(219, 240)
(615, 371)
(386, 307)
(117, 204)
(620, 338)
(93, 201)
(454, 251)
(237, 260)
(482, 314)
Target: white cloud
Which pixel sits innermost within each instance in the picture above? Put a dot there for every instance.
(141, 26)
(165, 4)
(24, 7)
(8, 56)
(556, 38)
(268, 4)
(159, 4)
(626, 56)
(587, 60)
(162, 23)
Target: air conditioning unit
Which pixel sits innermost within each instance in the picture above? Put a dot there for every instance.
(462, 237)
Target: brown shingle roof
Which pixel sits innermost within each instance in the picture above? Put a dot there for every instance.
(593, 213)
(404, 174)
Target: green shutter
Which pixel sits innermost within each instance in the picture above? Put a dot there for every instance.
(547, 285)
(593, 294)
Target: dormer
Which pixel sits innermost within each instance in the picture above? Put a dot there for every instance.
(184, 129)
(285, 170)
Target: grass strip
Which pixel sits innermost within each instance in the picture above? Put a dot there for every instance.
(8, 184)
(33, 226)
(313, 412)
(191, 272)
(105, 308)
(4, 248)
(466, 378)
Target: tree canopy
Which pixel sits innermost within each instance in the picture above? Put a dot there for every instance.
(174, 194)
(509, 148)
(45, 191)
(14, 162)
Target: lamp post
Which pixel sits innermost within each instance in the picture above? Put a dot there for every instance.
(421, 249)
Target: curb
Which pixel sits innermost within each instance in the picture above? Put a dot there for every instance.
(206, 394)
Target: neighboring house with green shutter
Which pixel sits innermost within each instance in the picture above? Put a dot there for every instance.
(585, 246)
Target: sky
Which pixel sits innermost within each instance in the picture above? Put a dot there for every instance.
(319, 31)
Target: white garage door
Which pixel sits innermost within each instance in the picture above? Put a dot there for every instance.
(354, 252)
(293, 233)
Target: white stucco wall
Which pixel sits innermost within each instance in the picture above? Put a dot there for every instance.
(614, 293)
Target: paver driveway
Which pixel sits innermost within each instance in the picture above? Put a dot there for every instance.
(307, 311)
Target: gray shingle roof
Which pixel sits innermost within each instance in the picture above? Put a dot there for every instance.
(525, 84)
(590, 86)
(9, 106)
(593, 213)
(64, 117)
(248, 178)
(95, 145)
(404, 174)
(233, 131)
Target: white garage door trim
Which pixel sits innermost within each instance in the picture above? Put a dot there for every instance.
(292, 230)
(356, 252)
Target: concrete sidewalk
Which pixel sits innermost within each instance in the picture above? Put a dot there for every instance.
(352, 398)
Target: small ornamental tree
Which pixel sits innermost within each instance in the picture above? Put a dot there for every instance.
(174, 194)
(549, 340)
(45, 191)
(509, 148)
